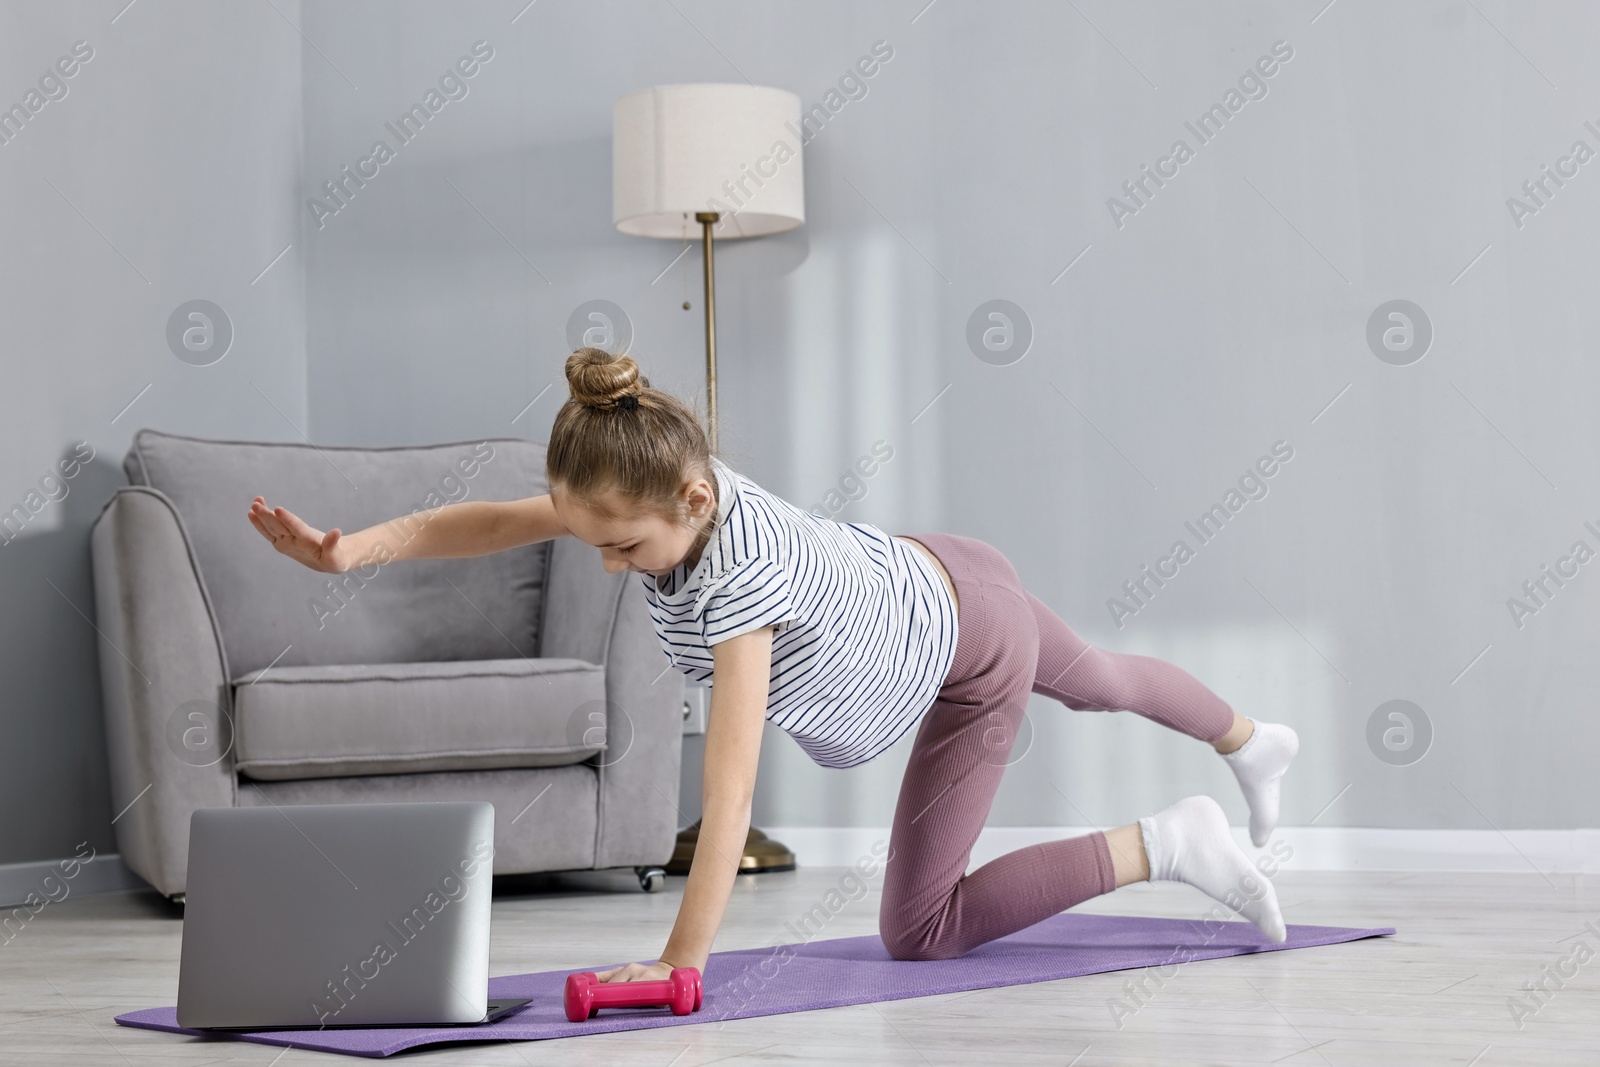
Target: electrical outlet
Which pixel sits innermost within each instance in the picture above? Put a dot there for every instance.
(696, 705)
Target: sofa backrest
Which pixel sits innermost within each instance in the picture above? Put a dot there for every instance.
(486, 607)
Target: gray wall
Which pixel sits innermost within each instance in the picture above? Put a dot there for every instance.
(1230, 312)
(169, 172)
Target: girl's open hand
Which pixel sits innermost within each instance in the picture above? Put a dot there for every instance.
(291, 536)
(637, 972)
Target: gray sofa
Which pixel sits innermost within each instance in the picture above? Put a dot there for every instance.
(233, 676)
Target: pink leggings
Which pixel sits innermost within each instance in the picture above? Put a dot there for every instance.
(1008, 645)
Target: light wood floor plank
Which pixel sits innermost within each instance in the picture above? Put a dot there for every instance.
(1436, 993)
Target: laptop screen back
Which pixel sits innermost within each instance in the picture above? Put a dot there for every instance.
(337, 915)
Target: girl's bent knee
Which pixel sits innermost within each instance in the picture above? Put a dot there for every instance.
(913, 946)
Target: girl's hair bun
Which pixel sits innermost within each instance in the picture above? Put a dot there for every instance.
(617, 433)
(598, 379)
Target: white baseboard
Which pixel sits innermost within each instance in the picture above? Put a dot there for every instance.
(1315, 848)
(106, 873)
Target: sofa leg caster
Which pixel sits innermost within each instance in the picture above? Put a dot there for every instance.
(651, 879)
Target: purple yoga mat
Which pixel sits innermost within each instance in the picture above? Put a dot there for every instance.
(824, 974)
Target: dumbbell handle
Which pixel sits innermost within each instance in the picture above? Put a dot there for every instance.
(585, 994)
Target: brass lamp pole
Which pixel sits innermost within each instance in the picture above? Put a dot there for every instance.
(714, 153)
(708, 219)
(761, 853)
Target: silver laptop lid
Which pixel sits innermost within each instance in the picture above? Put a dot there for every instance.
(337, 915)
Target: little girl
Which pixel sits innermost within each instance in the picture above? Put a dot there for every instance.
(846, 638)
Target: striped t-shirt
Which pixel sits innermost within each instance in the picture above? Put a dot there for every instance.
(865, 628)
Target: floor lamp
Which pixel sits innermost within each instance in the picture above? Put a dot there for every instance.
(709, 160)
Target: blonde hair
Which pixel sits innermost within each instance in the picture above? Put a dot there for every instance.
(615, 432)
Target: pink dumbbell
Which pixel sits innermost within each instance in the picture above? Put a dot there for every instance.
(586, 994)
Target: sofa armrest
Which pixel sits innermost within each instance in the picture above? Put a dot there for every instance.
(159, 650)
(603, 618)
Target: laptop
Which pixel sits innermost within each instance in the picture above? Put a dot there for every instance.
(338, 915)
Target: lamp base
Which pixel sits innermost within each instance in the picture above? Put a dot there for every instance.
(761, 853)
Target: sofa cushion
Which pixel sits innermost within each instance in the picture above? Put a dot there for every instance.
(268, 606)
(397, 718)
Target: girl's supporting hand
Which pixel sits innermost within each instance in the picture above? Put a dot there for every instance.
(291, 536)
(637, 972)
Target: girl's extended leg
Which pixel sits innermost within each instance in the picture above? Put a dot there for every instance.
(931, 909)
(1086, 678)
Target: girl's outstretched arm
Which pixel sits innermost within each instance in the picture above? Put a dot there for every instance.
(743, 670)
(470, 528)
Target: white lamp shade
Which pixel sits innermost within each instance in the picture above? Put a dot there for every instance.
(681, 149)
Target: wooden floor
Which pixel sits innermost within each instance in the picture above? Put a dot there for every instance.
(1435, 993)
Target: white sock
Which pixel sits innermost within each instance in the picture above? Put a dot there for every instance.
(1258, 764)
(1190, 842)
